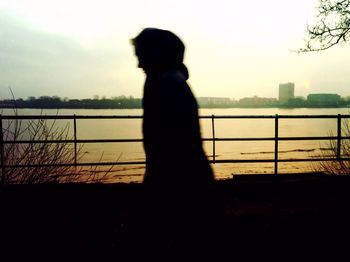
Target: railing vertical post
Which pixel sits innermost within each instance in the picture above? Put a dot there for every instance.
(276, 144)
(338, 137)
(213, 133)
(75, 140)
(2, 152)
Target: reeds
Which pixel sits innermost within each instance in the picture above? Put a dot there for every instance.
(336, 166)
(30, 156)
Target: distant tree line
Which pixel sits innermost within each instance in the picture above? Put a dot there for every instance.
(124, 102)
(57, 102)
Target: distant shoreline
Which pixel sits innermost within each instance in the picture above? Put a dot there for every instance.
(130, 102)
(201, 107)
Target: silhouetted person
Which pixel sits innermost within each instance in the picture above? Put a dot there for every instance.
(178, 207)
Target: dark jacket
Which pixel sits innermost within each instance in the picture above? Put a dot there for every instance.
(171, 132)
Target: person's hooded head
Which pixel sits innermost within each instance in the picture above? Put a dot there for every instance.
(159, 50)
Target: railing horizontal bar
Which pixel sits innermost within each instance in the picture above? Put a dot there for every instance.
(223, 161)
(279, 160)
(72, 141)
(313, 116)
(78, 164)
(140, 140)
(271, 138)
(70, 117)
(273, 116)
(313, 159)
(211, 161)
(239, 139)
(109, 140)
(312, 138)
(7, 117)
(236, 116)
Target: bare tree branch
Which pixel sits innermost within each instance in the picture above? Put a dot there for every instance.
(331, 27)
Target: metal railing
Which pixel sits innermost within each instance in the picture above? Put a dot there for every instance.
(276, 138)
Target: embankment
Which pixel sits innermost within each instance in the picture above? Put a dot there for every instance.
(285, 216)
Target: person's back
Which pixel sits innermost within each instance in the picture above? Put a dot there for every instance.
(171, 130)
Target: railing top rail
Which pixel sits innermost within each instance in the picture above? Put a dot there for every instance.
(140, 116)
(274, 116)
(69, 116)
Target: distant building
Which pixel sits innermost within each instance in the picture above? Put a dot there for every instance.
(323, 99)
(286, 92)
(257, 102)
(213, 101)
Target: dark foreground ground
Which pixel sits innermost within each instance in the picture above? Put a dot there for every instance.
(283, 218)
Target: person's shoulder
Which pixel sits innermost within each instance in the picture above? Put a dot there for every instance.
(173, 76)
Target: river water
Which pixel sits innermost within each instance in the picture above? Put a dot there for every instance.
(224, 128)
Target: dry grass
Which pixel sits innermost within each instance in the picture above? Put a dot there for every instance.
(35, 162)
(336, 167)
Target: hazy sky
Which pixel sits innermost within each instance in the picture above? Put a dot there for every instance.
(78, 49)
